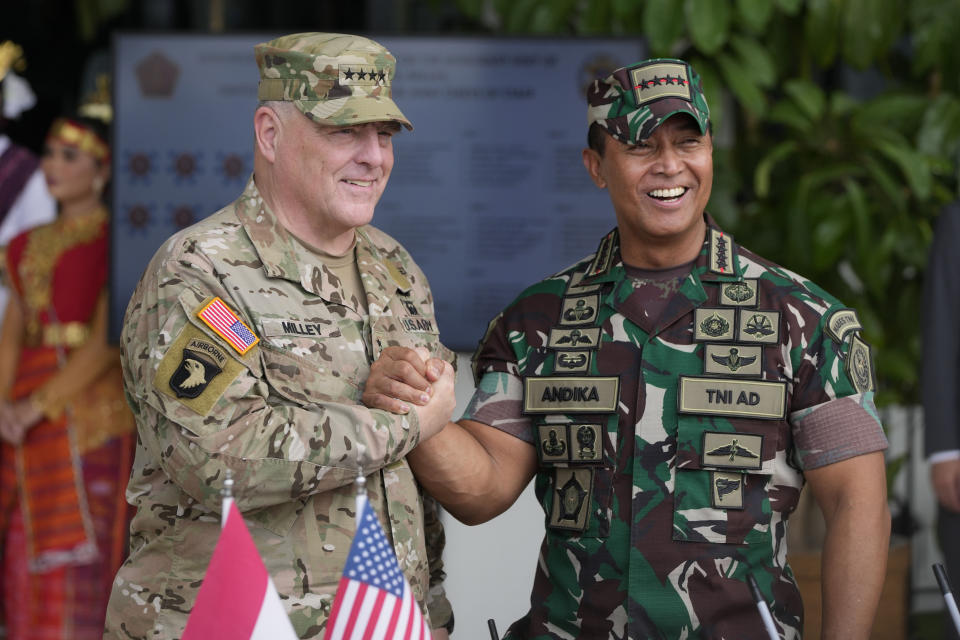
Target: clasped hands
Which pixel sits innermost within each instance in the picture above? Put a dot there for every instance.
(16, 418)
(402, 379)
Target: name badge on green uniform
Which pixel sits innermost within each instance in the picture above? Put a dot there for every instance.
(723, 397)
(570, 394)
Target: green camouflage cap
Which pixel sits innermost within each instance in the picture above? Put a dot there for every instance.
(333, 78)
(633, 101)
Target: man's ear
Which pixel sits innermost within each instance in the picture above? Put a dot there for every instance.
(266, 132)
(591, 162)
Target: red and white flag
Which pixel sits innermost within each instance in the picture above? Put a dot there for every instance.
(237, 599)
(374, 600)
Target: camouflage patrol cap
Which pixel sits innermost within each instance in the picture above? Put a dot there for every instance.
(333, 78)
(633, 101)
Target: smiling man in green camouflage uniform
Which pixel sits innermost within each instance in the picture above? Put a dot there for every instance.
(671, 393)
(248, 342)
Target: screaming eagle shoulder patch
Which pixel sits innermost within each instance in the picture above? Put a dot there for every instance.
(196, 370)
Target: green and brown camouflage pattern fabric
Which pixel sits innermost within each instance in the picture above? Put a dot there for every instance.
(287, 421)
(657, 559)
(333, 78)
(632, 101)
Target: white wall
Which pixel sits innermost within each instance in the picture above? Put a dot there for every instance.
(490, 567)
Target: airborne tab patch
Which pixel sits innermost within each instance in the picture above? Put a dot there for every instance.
(570, 394)
(726, 490)
(841, 322)
(722, 397)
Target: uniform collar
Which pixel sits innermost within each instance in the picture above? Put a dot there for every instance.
(283, 257)
(718, 260)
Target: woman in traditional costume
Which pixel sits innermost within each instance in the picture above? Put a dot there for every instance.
(67, 435)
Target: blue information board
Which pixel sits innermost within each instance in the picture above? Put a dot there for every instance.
(488, 192)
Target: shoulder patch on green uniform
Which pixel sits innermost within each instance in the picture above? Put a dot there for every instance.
(196, 371)
(841, 322)
(859, 365)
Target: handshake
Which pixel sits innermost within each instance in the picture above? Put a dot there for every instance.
(403, 379)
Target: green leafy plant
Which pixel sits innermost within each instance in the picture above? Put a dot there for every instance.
(837, 134)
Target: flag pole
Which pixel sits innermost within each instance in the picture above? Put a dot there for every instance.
(947, 592)
(762, 607)
(360, 482)
(227, 495)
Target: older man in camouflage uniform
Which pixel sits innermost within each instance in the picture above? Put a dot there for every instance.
(671, 393)
(247, 344)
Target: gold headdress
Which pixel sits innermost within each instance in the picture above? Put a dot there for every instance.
(97, 104)
(11, 57)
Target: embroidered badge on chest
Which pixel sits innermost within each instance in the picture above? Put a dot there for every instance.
(759, 326)
(739, 294)
(735, 360)
(226, 324)
(727, 490)
(571, 499)
(713, 324)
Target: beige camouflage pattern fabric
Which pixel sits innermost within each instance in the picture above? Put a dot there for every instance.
(284, 417)
(333, 78)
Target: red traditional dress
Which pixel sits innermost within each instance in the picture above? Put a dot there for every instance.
(63, 515)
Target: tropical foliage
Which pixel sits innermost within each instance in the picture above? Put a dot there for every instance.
(838, 133)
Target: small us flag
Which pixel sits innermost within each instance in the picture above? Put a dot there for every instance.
(373, 598)
(228, 326)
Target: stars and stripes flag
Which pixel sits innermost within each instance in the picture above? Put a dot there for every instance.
(237, 600)
(221, 318)
(374, 600)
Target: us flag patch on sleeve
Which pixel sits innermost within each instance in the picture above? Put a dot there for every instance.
(219, 317)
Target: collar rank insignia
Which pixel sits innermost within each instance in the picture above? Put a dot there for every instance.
(226, 324)
(721, 252)
(195, 372)
(410, 307)
(727, 490)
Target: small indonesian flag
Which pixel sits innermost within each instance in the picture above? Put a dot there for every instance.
(374, 600)
(237, 600)
(228, 326)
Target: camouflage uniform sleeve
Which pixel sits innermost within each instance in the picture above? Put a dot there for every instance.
(498, 398)
(831, 419)
(279, 445)
(441, 611)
